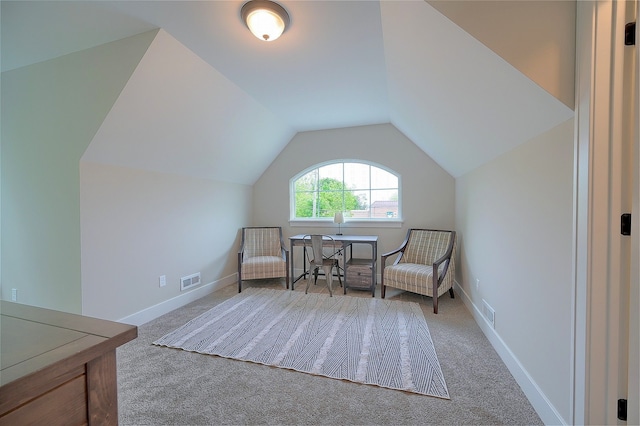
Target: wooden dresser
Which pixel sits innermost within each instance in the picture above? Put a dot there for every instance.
(58, 368)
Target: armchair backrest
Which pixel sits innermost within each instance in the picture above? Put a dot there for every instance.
(424, 246)
(262, 241)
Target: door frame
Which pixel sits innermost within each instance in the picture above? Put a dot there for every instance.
(599, 309)
(633, 388)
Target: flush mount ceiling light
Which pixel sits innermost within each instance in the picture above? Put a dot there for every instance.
(266, 20)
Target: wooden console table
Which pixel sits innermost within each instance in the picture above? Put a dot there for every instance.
(58, 368)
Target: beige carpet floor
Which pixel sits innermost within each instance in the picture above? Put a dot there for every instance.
(161, 386)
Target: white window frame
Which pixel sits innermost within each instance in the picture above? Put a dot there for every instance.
(350, 222)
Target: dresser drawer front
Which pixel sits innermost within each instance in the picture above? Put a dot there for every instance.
(66, 404)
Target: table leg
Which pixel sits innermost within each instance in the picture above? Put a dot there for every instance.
(293, 278)
(374, 249)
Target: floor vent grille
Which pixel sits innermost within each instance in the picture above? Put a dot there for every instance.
(189, 281)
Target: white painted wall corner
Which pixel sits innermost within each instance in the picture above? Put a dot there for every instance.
(545, 409)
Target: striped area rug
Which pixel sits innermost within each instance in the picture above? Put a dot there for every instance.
(363, 340)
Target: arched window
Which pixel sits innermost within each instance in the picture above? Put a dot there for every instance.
(361, 190)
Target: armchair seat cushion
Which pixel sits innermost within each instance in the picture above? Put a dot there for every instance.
(413, 277)
(263, 267)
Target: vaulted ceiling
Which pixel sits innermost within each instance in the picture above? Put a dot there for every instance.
(228, 98)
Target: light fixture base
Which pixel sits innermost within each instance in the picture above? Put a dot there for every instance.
(273, 11)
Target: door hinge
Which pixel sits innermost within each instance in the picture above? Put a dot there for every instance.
(630, 34)
(625, 224)
(622, 409)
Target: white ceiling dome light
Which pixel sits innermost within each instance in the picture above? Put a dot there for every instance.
(266, 20)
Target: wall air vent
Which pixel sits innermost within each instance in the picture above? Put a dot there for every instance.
(489, 313)
(189, 281)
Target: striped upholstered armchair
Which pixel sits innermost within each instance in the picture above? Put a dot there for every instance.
(262, 255)
(422, 252)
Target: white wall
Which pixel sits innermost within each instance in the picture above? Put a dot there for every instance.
(166, 184)
(68, 124)
(177, 114)
(514, 216)
(138, 225)
(50, 112)
(536, 37)
(428, 191)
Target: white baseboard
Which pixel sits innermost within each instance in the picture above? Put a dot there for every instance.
(547, 412)
(185, 298)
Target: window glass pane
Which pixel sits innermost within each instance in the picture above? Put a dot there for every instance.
(304, 204)
(384, 204)
(382, 179)
(357, 175)
(326, 204)
(308, 181)
(305, 188)
(331, 171)
(330, 190)
(361, 210)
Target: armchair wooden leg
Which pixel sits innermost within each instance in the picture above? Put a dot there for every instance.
(451, 293)
(382, 289)
(435, 304)
(239, 272)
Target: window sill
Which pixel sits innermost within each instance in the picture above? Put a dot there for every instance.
(356, 223)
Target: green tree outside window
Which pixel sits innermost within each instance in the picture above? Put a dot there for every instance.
(356, 189)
